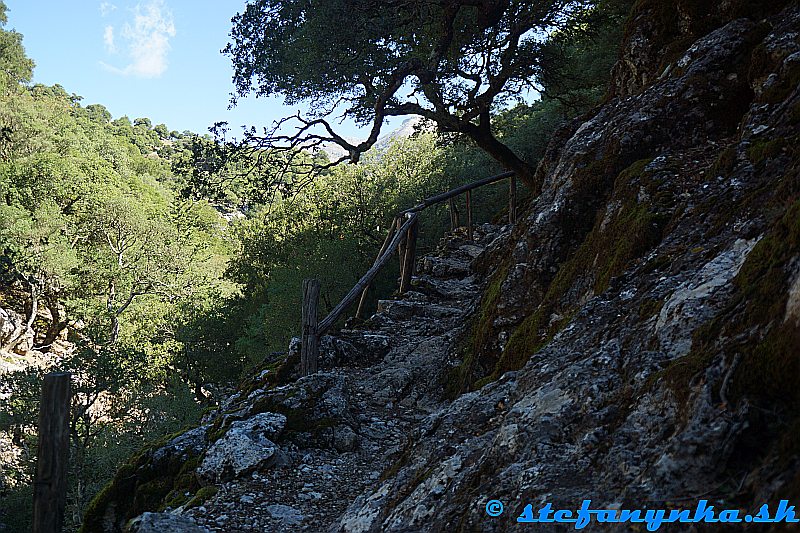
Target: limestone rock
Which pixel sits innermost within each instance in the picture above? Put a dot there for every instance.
(189, 443)
(286, 514)
(163, 523)
(247, 446)
(345, 439)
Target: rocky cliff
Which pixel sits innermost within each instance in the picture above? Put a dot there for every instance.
(632, 340)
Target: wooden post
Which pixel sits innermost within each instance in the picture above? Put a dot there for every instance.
(309, 347)
(351, 296)
(452, 208)
(469, 215)
(512, 200)
(409, 257)
(386, 241)
(50, 487)
(401, 249)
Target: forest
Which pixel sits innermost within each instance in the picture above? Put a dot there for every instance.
(160, 267)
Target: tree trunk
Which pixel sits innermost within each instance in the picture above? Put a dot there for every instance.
(19, 334)
(115, 313)
(486, 141)
(114, 330)
(55, 328)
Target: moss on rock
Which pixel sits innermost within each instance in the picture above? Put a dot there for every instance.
(752, 326)
(202, 495)
(140, 485)
(461, 378)
(650, 308)
(616, 239)
(764, 149)
(619, 236)
(769, 368)
(725, 163)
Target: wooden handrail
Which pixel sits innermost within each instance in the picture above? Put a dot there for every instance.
(392, 229)
(433, 200)
(367, 278)
(309, 340)
(408, 257)
(403, 239)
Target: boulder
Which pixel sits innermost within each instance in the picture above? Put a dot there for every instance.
(163, 523)
(246, 446)
(288, 515)
(345, 439)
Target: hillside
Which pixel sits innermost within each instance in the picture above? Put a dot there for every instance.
(632, 339)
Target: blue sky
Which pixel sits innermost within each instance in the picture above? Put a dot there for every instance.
(148, 58)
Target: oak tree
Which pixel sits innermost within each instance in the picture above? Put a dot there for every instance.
(452, 62)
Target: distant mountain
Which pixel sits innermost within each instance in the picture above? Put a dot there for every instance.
(405, 130)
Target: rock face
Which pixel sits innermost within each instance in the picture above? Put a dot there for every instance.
(246, 446)
(639, 331)
(633, 339)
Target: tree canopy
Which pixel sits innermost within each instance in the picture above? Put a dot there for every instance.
(15, 66)
(453, 62)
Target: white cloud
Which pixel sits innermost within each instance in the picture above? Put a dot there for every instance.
(146, 40)
(108, 39)
(106, 8)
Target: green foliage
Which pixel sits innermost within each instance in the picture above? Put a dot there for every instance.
(108, 262)
(331, 230)
(451, 63)
(117, 406)
(578, 59)
(98, 113)
(272, 53)
(15, 66)
(212, 172)
(174, 264)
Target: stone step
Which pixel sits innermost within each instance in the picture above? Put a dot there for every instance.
(444, 289)
(445, 267)
(405, 309)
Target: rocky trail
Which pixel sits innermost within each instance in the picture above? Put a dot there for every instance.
(635, 342)
(312, 487)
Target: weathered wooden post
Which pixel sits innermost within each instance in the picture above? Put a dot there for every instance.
(363, 300)
(50, 487)
(512, 200)
(409, 257)
(469, 215)
(309, 345)
(452, 209)
(401, 251)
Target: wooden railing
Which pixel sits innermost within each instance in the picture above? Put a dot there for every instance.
(402, 237)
